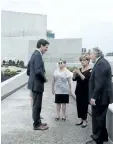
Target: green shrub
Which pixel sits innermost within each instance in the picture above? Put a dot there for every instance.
(13, 63)
(13, 73)
(2, 72)
(7, 70)
(6, 73)
(21, 64)
(17, 63)
(71, 68)
(10, 62)
(3, 62)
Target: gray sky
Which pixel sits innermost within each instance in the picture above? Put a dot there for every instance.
(90, 19)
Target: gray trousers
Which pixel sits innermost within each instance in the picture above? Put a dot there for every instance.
(36, 107)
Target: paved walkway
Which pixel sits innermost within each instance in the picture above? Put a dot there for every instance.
(17, 121)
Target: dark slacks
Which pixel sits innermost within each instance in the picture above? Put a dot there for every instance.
(99, 123)
(36, 109)
(82, 107)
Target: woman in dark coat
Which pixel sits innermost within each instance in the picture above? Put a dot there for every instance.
(82, 76)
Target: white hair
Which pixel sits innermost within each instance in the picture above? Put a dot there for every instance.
(97, 51)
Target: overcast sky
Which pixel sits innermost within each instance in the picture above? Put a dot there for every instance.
(90, 19)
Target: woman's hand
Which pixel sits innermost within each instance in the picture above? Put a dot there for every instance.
(78, 71)
(75, 71)
(70, 93)
(80, 74)
(53, 92)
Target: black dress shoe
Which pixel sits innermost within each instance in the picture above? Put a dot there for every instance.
(83, 126)
(91, 142)
(63, 119)
(93, 136)
(57, 118)
(77, 124)
(44, 124)
(41, 127)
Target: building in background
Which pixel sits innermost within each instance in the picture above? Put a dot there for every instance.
(84, 50)
(50, 34)
(17, 29)
(20, 33)
(109, 54)
(68, 49)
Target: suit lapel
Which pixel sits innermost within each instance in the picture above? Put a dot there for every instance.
(94, 67)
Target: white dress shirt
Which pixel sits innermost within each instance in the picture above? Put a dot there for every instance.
(39, 51)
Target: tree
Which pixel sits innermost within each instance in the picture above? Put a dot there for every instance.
(10, 62)
(4, 62)
(13, 63)
(21, 64)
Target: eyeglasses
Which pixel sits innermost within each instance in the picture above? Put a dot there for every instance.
(83, 60)
(60, 62)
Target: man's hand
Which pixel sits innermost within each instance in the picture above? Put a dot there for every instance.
(92, 102)
(46, 79)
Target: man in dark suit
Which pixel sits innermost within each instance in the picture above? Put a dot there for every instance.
(37, 78)
(31, 94)
(100, 92)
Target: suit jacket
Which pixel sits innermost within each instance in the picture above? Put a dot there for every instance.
(100, 83)
(36, 72)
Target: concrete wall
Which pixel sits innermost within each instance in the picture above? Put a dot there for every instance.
(109, 119)
(23, 24)
(11, 85)
(16, 30)
(68, 49)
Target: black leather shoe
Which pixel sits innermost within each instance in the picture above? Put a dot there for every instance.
(77, 124)
(93, 136)
(83, 126)
(41, 127)
(91, 142)
(63, 119)
(57, 118)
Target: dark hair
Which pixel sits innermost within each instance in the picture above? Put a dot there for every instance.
(42, 42)
(64, 61)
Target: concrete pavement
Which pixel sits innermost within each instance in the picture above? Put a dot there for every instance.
(16, 125)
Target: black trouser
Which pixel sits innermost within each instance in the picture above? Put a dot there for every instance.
(99, 122)
(82, 108)
(36, 110)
